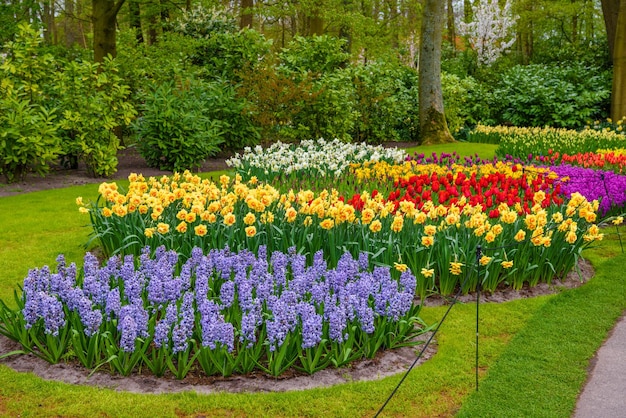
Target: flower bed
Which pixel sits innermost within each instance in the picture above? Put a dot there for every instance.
(309, 159)
(243, 275)
(521, 142)
(223, 312)
(430, 223)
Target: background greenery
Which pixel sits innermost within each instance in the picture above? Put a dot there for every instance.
(222, 76)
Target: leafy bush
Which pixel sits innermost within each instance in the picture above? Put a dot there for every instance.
(221, 47)
(94, 102)
(378, 88)
(456, 96)
(224, 105)
(315, 54)
(140, 63)
(551, 95)
(28, 125)
(330, 111)
(175, 131)
(28, 135)
(275, 101)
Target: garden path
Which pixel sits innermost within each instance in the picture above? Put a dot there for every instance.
(603, 395)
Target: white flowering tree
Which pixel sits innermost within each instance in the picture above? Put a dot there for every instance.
(489, 32)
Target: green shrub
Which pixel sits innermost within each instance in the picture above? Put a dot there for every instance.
(315, 54)
(28, 125)
(140, 63)
(276, 101)
(174, 130)
(219, 46)
(551, 95)
(379, 91)
(94, 101)
(28, 135)
(330, 112)
(222, 104)
(456, 97)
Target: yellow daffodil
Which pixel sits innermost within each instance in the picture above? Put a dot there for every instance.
(400, 267)
(397, 224)
(249, 219)
(428, 240)
(267, 217)
(200, 230)
(455, 268)
(376, 226)
(182, 227)
(229, 219)
(327, 224)
(430, 230)
(291, 214)
(428, 272)
(163, 228)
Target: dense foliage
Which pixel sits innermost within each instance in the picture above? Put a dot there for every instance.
(53, 107)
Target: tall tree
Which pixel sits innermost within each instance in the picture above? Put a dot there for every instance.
(610, 9)
(618, 97)
(245, 20)
(433, 125)
(104, 14)
(451, 27)
(135, 19)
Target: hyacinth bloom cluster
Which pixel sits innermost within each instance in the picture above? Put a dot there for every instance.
(310, 158)
(220, 306)
(608, 187)
(521, 142)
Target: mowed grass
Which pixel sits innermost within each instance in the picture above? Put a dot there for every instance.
(533, 353)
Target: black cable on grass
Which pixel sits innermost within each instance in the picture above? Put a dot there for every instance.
(478, 256)
(443, 318)
(479, 252)
(454, 301)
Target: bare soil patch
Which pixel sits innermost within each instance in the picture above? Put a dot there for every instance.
(129, 161)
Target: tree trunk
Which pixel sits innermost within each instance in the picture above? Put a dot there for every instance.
(451, 27)
(246, 14)
(104, 14)
(135, 20)
(433, 126)
(575, 27)
(610, 10)
(153, 22)
(618, 97)
(71, 26)
(468, 13)
(316, 24)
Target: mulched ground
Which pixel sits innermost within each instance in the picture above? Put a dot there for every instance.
(129, 161)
